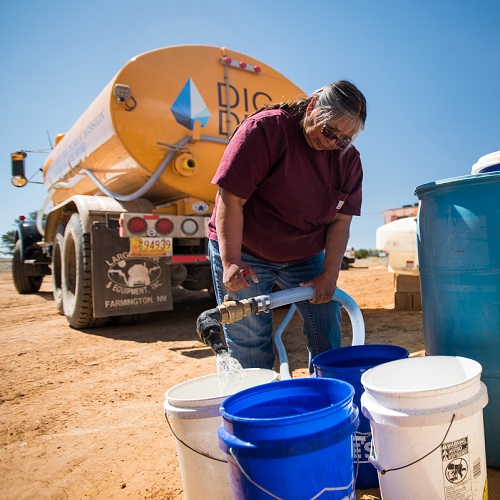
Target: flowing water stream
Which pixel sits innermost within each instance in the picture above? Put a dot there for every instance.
(231, 374)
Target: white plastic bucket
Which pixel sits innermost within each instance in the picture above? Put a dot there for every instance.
(192, 412)
(427, 427)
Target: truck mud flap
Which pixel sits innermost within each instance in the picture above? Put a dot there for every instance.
(124, 285)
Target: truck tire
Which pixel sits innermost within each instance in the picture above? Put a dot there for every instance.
(57, 249)
(345, 264)
(76, 281)
(22, 281)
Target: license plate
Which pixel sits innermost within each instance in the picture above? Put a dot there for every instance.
(150, 247)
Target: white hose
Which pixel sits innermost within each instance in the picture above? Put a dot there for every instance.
(292, 295)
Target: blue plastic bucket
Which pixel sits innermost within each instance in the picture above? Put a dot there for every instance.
(291, 439)
(458, 241)
(349, 364)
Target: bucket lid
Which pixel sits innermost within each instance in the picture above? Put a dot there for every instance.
(421, 376)
(487, 163)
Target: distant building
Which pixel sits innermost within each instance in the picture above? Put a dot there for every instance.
(392, 214)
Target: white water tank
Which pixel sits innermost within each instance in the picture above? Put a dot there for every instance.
(399, 240)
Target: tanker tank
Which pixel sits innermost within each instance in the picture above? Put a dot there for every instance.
(181, 100)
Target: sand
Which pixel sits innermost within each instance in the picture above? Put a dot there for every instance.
(82, 411)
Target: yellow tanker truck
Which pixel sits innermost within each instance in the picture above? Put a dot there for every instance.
(129, 185)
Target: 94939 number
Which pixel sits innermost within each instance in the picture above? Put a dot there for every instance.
(150, 247)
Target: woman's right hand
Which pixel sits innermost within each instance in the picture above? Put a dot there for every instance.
(236, 276)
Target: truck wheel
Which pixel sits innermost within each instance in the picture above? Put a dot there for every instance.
(76, 283)
(57, 248)
(23, 282)
(345, 264)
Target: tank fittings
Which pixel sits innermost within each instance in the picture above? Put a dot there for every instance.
(184, 164)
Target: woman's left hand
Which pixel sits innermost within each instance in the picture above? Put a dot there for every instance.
(324, 287)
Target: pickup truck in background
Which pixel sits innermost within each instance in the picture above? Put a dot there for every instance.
(349, 258)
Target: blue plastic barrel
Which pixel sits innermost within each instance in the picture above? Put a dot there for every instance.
(291, 439)
(458, 240)
(349, 364)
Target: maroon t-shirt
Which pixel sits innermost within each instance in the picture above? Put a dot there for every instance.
(293, 192)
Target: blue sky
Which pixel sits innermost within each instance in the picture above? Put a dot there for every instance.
(430, 70)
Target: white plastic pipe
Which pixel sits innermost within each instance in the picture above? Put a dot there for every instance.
(292, 295)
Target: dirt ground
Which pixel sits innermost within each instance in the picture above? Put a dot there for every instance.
(81, 412)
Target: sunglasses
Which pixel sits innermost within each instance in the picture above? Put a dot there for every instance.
(331, 136)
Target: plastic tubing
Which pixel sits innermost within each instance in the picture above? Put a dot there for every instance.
(149, 183)
(284, 366)
(121, 197)
(292, 295)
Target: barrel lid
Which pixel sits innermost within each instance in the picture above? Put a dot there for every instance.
(487, 163)
(452, 182)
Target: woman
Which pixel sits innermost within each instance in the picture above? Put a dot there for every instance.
(289, 183)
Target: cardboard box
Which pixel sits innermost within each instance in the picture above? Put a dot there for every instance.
(407, 293)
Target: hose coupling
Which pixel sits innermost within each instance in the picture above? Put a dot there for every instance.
(234, 310)
(263, 303)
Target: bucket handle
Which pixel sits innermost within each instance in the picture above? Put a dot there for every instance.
(189, 447)
(341, 488)
(373, 459)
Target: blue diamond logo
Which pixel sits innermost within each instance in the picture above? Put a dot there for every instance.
(189, 107)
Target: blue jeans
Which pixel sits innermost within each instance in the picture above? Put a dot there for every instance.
(250, 340)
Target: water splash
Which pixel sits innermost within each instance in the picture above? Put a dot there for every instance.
(231, 374)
